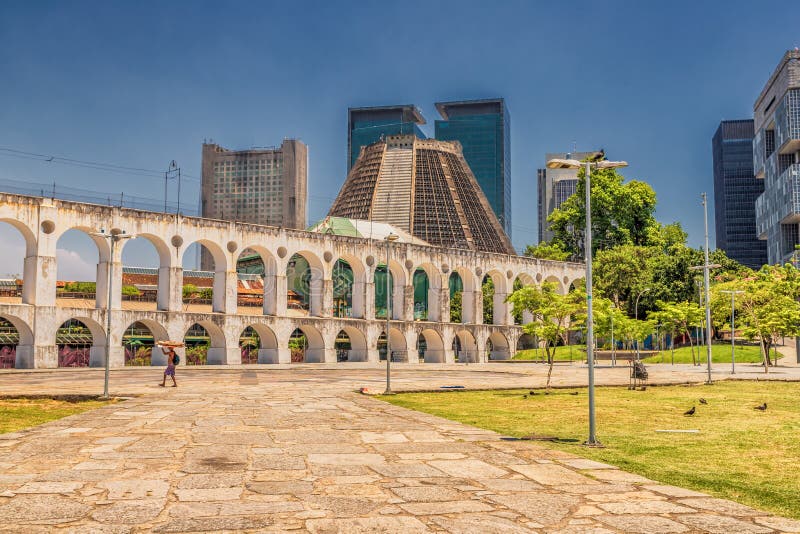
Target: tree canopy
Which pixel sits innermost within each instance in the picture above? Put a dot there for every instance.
(623, 213)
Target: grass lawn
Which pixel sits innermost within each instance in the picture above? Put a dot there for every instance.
(18, 413)
(740, 453)
(566, 353)
(720, 353)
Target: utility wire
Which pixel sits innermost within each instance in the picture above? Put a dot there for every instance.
(110, 167)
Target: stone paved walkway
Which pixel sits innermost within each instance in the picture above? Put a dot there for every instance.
(299, 451)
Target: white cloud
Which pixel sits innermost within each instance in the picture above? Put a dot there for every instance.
(12, 251)
(72, 267)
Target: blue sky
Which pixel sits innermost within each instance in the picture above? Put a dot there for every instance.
(143, 83)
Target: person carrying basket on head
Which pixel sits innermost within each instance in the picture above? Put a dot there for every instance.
(172, 361)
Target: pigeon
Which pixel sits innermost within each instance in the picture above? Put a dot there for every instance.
(703, 401)
(762, 407)
(573, 393)
(689, 412)
(531, 392)
(524, 396)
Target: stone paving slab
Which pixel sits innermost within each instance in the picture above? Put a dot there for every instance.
(300, 451)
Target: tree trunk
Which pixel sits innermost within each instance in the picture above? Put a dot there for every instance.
(691, 345)
(551, 360)
(764, 355)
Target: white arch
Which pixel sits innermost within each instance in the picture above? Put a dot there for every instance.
(358, 344)
(434, 289)
(398, 279)
(500, 308)
(500, 346)
(158, 332)
(217, 353)
(270, 281)
(23, 352)
(434, 346)
(315, 351)
(316, 285)
(358, 287)
(97, 352)
(469, 346)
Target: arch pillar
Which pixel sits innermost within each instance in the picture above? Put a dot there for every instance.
(369, 296)
(477, 309)
(502, 311)
(408, 303)
(170, 288)
(281, 288)
(442, 302)
(480, 344)
(326, 286)
(225, 292)
(318, 295)
(39, 276)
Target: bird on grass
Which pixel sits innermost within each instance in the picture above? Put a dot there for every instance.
(762, 407)
(573, 393)
(531, 392)
(524, 396)
(703, 401)
(690, 412)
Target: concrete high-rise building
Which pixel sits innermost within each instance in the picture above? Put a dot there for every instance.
(483, 127)
(424, 187)
(369, 125)
(776, 159)
(735, 191)
(556, 186)
(261, 185)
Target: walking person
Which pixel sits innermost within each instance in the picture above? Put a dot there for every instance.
(172, 361)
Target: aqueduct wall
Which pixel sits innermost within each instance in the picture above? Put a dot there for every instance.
(41, 221)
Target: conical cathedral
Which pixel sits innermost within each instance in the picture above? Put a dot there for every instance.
(424, 187)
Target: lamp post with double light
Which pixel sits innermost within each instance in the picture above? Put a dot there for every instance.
(113, 236)
(568, 163)
(391, 238)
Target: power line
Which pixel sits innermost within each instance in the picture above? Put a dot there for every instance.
(109, 167)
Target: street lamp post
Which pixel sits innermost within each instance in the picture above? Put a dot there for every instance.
(733, 327)
(636, 315)
(708, 299)
(114, 236)
(597, 164)
(389, 240)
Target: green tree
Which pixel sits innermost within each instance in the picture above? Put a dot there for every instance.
(767, 308)
(682, 317)
(622, 214)
(131, 291)
(487, 290)
(456, 307)
(189, 290)
(547, 251)
(550, 316)
(622, 272)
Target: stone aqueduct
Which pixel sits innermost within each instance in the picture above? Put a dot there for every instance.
(38, 315)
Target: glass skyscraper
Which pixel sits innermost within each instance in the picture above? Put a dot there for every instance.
(369, 125)
(776, 159)
(483, 127)
(735, 191)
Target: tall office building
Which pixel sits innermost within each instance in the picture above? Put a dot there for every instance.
(262, 186)
(556, 186)
(735, 191)
(776, 159)
(423, 187)
(369, 125)
(483, 127)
